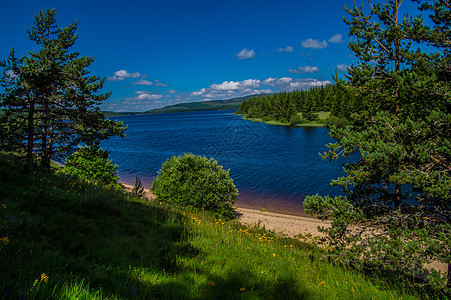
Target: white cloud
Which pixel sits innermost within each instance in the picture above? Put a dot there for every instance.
(284, 80)
(305, 84)
(232, 89)
(269, 81)
(274, 82)
(145, 100)
(245, 54)
(343, 67)
(148, 82)
(250, 83)
(158, 83)
(286, 49)
(122, 75)
(144, 95)
(306, 69)
(226, 85)
(336, 39)
(315, 44)
(199, 93)
(316, 83)
(143, 82)
(149, 97)
(142, 102)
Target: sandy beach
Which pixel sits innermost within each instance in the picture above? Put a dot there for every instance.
(304, 228)
(286, 225)
(283, 224)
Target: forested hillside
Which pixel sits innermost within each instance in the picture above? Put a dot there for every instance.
(297, 107)
(202, 106)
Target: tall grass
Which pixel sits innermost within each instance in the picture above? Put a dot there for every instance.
(66, 239)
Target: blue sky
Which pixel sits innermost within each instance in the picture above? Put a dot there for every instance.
(158, 53)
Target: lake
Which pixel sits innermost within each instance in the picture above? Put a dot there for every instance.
(273, 167)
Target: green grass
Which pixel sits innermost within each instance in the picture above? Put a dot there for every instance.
(97, 243)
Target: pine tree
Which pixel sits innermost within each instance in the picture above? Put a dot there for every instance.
(51, 93)
(398, 192)
(308, 110)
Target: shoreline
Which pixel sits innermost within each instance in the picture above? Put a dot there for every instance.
(274, 122)
(289, 225)
(284, 224)
(303, 228)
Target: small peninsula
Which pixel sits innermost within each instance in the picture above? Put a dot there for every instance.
(319, 106)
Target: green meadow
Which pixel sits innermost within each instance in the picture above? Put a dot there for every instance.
(62, 238)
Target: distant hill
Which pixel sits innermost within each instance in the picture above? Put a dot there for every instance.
(109, 113)
(191, 106)
(204, 105)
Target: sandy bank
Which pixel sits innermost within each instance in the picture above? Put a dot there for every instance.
(305, 228)
(288, 225)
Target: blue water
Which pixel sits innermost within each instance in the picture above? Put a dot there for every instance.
(273, 167)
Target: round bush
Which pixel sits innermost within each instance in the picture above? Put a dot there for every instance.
(194, 181)
(92, 164)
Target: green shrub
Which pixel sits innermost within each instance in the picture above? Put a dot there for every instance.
(92, 164)
(194, 181)
(295, 120)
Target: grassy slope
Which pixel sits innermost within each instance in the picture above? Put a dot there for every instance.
(322, 116)
(96, 243)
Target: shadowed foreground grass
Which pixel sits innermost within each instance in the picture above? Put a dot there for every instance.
(65, 239)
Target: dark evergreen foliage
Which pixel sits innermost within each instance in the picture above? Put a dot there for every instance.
(50, 100)
(285, 106)
(396, 215)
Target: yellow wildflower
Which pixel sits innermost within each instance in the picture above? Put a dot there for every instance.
(4, 240)
(323, 283)
(4, 206)
(44, 277)
(242, 289)
(274, 254)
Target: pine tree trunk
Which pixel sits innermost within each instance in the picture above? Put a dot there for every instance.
(398, 198)
(46, 131)
(30, 140)
(44, 150)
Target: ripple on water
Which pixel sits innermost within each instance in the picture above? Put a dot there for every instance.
(274, 167)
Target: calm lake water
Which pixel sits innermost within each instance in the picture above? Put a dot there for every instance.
(273, 167)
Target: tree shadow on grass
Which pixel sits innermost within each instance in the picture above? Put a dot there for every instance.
(237, 284)
(82, 233)
(87, 239)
